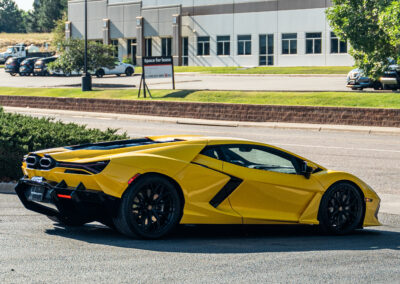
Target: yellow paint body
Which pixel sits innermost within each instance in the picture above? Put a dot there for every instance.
(264, 197)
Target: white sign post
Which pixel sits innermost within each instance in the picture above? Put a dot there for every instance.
(156, 67)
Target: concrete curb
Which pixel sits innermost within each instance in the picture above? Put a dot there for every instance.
(260, 75)
(7, 187)
(193, 121)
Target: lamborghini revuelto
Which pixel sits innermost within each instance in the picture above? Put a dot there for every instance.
(145, 187)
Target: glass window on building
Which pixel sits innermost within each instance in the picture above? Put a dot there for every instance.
(148, 46)
(185, 51)
(244, 44)
(166, 46)
(223, 45)
(289, 43)
(313, 43)
(337, 46)
(266, 47)
(115, 44)
(132, 50)
(203, 45)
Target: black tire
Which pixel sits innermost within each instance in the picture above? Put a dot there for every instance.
(129, 72)
(13, 74)
(341, 209)
(68, 221)
(100, 73)
(150, 209)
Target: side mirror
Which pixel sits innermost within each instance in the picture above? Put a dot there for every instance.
(306, 170)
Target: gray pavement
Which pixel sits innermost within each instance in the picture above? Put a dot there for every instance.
(192, 81)
(34, 250)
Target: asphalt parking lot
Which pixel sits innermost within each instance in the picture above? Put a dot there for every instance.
(191, 81)
(34, 250)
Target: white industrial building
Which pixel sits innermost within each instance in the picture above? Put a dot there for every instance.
(214, 32)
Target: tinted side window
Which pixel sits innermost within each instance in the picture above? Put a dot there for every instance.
(211, 152)
(258, 157)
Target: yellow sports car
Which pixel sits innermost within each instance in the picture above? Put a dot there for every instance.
(145, 187)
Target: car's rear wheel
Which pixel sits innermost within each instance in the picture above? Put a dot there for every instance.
(129, 72)
(341, 209)
(68, 221)
(100, 73)
(13, 74)
(150, 209)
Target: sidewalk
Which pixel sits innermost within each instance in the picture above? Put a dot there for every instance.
(178, 120)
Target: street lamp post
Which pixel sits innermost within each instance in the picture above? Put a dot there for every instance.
(86, 78)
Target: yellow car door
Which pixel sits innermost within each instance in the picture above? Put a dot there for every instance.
(272, 187)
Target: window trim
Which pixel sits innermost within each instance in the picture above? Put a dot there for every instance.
(333, 36)
(244, 45)
(313, 43)
(223, 42)
(289, 40)
(203, 46)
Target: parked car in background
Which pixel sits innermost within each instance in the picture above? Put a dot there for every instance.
(40, 67)
(391, 78)
(119, 69)
(357, 80)
(26, 67)
(21, 50)
(12, 65)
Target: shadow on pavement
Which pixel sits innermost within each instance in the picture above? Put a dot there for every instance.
(179, 94)
(238, 239)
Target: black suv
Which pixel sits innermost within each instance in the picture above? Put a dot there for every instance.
(26, 67)
(40, 68)
(12, 65)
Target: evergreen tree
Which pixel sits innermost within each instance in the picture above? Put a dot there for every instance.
(11, 18)
(46, 13)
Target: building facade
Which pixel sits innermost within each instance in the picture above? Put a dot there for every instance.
(214, 32)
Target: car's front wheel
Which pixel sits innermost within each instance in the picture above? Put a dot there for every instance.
(341, 209)
(149, 209)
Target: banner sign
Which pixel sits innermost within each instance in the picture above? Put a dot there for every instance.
(158, 67)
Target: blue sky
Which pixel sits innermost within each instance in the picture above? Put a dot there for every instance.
(24, 4)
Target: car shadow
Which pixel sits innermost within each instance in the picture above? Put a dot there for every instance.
(223, 239)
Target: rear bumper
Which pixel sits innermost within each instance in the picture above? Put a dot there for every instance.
(60, 200)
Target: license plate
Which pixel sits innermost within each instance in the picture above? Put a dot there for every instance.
(37, 193)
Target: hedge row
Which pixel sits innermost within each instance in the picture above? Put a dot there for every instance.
(21, 134)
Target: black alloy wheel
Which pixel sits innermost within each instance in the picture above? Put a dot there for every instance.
(150, 209)
(341, 209)
(129, 72)
(100, 73)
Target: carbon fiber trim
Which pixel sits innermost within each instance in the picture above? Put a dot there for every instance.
(225, 191)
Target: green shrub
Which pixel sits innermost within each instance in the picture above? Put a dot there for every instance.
(21, 134)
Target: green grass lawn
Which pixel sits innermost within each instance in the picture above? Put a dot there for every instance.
(344, 99)
(261, 70)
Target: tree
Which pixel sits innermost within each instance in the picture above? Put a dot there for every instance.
(11, 18)
(72, 58)
(362, 23)
(58, 33)
(45, 14)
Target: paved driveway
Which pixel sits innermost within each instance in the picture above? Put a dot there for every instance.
(192, 81)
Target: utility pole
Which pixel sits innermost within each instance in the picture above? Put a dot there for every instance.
(86, 78)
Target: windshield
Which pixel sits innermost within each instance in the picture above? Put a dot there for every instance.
(9, 50)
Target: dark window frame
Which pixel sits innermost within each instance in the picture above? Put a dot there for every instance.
(244, 44)
(224, 45)
(203, 45)
(289, 39)
(312, 41)
(339, 45)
